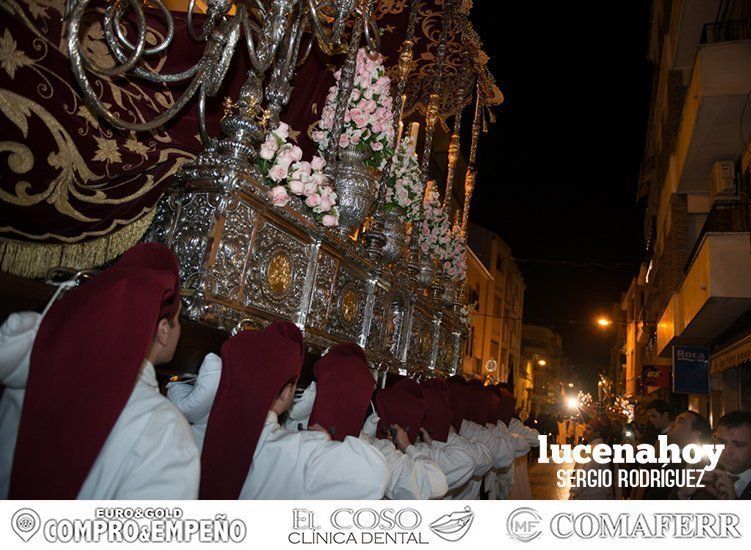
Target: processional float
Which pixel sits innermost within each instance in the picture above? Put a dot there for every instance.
(352, 242)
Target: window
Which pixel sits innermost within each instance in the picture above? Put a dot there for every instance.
(500, 264)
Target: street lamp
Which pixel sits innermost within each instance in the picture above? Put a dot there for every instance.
(542, 362)
(570, 384)
(604, 322)
(572, 403)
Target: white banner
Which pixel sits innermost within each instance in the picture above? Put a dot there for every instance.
(440, 524)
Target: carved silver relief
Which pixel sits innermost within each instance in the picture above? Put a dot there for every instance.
(274, 280)
(195, 219)
(320, 304)
(348, 305)
(233, 252)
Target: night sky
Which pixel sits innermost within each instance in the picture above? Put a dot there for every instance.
(557, 173)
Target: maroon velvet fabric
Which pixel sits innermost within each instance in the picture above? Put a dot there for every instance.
(457, 387)
(344, 385)
(400, 404)
(506, 407)
(477, 403)
(438, 413)
(493, 403)
(255, 367)
(118, 176)
(85, 361)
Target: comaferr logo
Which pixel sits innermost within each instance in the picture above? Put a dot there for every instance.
(523, 524)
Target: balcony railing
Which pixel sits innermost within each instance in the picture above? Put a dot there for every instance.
(726, 31)
(725, 217)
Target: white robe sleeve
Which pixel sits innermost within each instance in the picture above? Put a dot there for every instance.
(529, 434)
(519, 443)
(414, 476)
(195, 400)
(479, 452)
(17, 336)
(500, 449)
(165, 464)
(456, 463)
(370, 427)
(299, 412)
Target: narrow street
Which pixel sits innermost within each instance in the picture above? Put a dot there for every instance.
(544, 483)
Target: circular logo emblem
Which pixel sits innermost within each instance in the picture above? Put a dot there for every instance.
(25, 523)
(523, 524)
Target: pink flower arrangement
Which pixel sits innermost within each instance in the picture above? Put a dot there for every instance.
(404, 188)
(369, 117)
(438, 239)
(287, 174)
(455, 261)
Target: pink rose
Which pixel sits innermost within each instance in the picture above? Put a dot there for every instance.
(326, 203)
(310, 188)
(376, 146)
(330, 221)
(343, 141)
(318, 164)
(266, 153)
(278, 172)
(279, 195)
(296, 186)
(313, 200)
(282, 130)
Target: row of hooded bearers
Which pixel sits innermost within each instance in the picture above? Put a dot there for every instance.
(81, 414)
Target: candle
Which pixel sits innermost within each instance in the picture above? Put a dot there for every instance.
(413, 133)
(399, 131)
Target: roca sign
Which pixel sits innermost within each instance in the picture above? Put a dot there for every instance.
(691, 355)
(369, 519)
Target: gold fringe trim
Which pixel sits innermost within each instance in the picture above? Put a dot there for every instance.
(36, 260)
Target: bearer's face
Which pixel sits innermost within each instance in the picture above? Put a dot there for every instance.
(680, 431)
(736, 457)
(173, 335)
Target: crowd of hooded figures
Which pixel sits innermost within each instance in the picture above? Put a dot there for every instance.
(82, 414)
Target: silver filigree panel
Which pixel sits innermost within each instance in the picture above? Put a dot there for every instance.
(277, 266)
(232, 253)
(348, 305)
(324, 282)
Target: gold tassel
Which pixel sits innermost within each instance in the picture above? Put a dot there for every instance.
(35, 260)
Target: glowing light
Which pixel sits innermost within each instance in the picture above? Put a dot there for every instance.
(570, 384)
(603, 322)
(572, 403)
(542, 362)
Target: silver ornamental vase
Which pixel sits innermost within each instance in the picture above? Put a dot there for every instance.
(356, 187)
(395, 233)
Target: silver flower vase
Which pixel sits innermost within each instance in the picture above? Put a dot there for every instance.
(395, 233)
(356, 188)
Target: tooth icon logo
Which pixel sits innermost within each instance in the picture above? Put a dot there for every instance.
(25, 523)
(452, 527)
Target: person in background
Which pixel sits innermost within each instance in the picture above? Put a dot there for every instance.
(659, 415)
(688, 427)
(599, 431)
(731, 480)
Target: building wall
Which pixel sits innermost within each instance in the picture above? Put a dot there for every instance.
(496, 285)
(548, 384)
(701, 54)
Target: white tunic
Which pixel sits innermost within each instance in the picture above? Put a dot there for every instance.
(499, 447)
(414, 476)
(195, 400)
(150, 452)
(455, 462)
(483, 461)
(292, 464)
